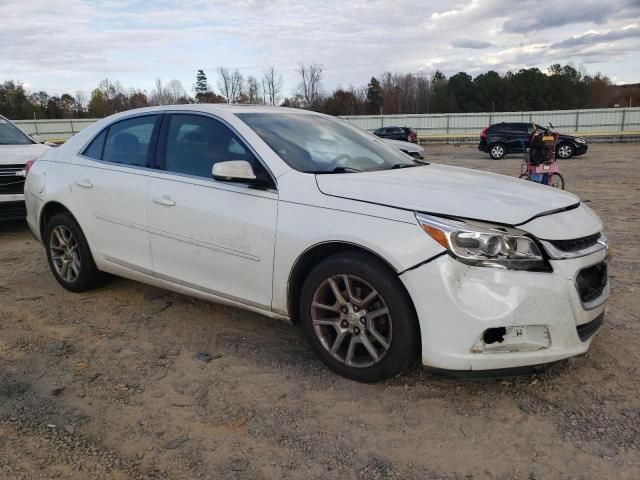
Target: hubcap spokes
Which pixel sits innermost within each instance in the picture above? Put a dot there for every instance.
(351, 320)
(64, 253)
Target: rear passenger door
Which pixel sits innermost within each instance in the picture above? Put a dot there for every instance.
(109, 185)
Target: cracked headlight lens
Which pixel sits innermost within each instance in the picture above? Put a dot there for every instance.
(485, 244)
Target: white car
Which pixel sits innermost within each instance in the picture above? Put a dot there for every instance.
(412, 149)
(16, 149)
(301, 216)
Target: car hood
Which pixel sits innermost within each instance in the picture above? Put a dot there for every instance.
(570, 138)
(450, 191)
(20, 154)
(407, 146)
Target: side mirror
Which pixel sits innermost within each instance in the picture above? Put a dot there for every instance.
(238, 170)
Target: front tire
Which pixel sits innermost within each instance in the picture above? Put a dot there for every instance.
(497, 151)
(69, 256)
(358, 318)
(565, 151)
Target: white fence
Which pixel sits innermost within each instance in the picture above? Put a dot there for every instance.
(604, 122)
(55, 130)
(608, 121)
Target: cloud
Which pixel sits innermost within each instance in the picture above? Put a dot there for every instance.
(470, 43)
(592, 38)
(66, 49)
(538, 17)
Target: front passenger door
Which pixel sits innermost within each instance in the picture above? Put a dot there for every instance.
(214, 236)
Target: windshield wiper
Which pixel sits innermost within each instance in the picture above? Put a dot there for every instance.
(403, 165)
(334, 170)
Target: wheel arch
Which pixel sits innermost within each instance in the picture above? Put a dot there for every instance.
(48, 211)
(316, 254)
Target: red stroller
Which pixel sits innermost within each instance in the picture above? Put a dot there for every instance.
(539, 163)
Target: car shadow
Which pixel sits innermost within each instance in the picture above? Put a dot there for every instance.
(13, 226)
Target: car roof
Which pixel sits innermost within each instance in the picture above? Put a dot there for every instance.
(509, 123)
(220, 107)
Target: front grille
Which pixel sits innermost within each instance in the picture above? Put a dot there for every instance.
(12, 210)
(10, 183)
(586, 331)
(576, 244)
(591, 282)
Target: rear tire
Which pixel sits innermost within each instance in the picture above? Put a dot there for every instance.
(497, 150)
(565, 151)
(556, 181)
(358, 317)
(69, 256)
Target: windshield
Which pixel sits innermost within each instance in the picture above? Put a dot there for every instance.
(317, 144)
(12, 135)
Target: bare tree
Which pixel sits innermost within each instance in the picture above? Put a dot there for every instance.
(310, 87)
(176, 92)
(81, 102)
(171, 93)
(253, 90)
(230, 83)
(272, 86)
(158, 95)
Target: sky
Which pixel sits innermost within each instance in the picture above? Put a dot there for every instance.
(70, 45)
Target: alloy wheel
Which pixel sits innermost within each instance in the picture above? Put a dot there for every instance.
(65, 257)
(564, 151)
(351, 320)
(497, 151)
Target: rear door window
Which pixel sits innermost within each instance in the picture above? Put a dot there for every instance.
(129, 142)
(518, 127)
(94, 150)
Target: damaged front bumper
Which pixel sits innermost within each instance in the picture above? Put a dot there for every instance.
(480, 318)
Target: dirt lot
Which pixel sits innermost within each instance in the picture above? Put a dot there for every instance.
(110, 384)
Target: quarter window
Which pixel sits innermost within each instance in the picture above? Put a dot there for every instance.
(94, 150)
(195, 143)
(129, 141)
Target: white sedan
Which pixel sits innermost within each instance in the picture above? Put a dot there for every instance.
(412, 149)
(301, 216)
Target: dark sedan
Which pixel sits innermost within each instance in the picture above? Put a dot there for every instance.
(406, 134)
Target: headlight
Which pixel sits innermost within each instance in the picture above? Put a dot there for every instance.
(484, 244)
(580, 140)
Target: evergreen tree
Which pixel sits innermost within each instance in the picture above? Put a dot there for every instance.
(201, 87)
(374, 96)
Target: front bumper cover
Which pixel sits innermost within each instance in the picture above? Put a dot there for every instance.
(457, 303)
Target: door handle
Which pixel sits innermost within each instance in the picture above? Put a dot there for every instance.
(164, 200)
(86, 183)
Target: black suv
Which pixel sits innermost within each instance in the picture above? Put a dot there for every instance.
(502, 138)
(406, 134)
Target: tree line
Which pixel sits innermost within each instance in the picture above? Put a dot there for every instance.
(561, 87)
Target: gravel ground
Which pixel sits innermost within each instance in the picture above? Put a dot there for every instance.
(130, 381)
